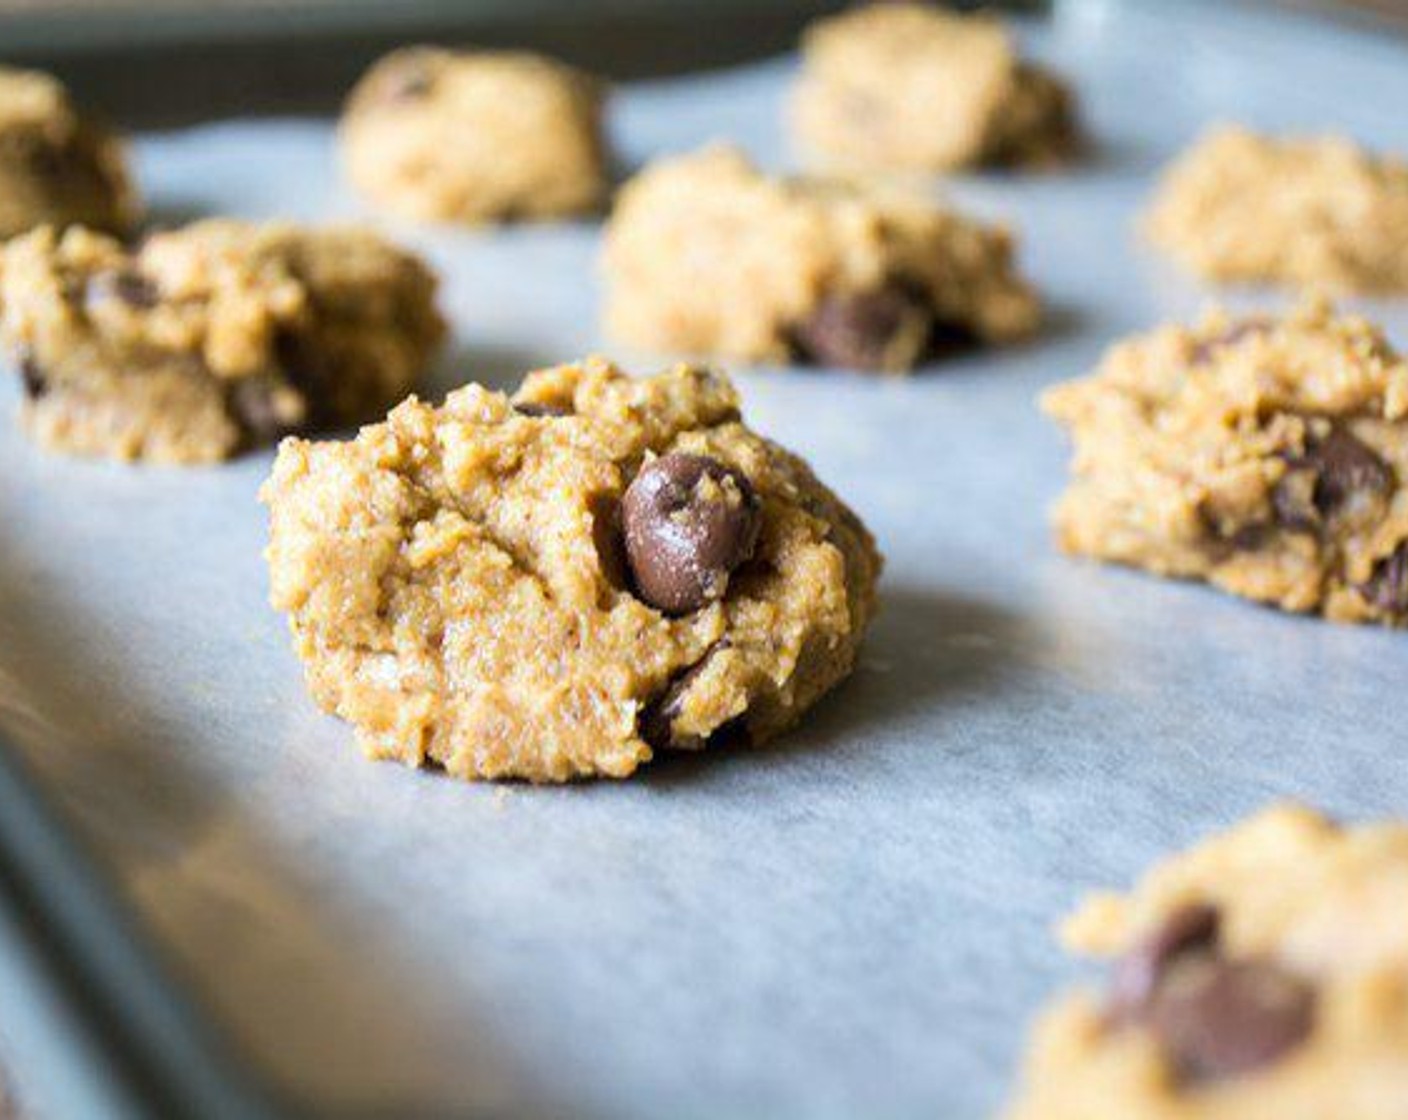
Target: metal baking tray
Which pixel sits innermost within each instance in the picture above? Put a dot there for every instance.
(212, 906)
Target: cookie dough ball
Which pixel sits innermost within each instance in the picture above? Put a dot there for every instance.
(707, 255)
(56, 167)
(1268, 456)
(1320, 213)
(912, 87)
(476, 136)
(553, 586)
(1264, 973)
(210, 339)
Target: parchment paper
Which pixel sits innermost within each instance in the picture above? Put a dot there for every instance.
(854, 922)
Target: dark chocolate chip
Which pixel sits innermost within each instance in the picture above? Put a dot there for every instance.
(410, 79)
(660, 713)
(252, 403)
(541, 408)
(1345, 469)
(688, 521)
(32, 377)
(1136, 976)
(131, 288)
(1333, 475)
(1387, 586)
(884, 329)
(1244, 328)
(1219, 1018)
(311, 372)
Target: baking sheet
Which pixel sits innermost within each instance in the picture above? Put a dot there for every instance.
(851, 922)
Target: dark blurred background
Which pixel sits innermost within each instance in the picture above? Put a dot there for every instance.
(165, 62)
(157, 62)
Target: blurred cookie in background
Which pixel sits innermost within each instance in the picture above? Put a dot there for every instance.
(210, 339)
(912, 87)
(1317, 212)
(707, 255)
(57, 167)
(476, 136)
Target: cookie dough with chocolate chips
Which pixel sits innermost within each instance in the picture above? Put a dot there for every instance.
(210, 339)
(1268, 456)
(1262, 974)
(913, 87)
(552, 586)
(56, 166)
(476, 136)
(707, 255)
(1317, 212)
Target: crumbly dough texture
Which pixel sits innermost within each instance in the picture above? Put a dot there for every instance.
(476, 136)
(1323, 901)
(455, 585)
(911, 87)
(707, 255)
(1268, 457)
(206, 340)
(56, 166)
(1317, 212)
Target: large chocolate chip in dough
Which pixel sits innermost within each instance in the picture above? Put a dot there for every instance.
(1334, 475)
(124, 285)
(1346, 469)
(887, 328)
(688, 522)
(1218, 1019)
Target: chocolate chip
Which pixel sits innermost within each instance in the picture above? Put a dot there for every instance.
(1219, 1018)
(660, 713)
(689, 521)
(884, 329)
(1334, 475)
(32, 377)
(410, 79)
(1245, 328)
(254, 406)
(1346, 469)
(125, 285)
(541, 408)
(1387, 586)
(1137, 974)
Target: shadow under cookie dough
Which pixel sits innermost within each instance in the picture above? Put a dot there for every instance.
(924, 650)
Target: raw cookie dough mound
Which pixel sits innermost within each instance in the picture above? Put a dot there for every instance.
(1267, 456)
(550, 587)
(437, 135)
(1262, 974)
(909, 87)
(212, 338)
(706, 255)
(1318, 212)
(56, 168)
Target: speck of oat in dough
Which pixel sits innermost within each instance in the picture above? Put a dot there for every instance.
(476, 136)
(457, 586)
(704, 254)
(1268, 457)
(1319, 212)
(1296, 1008)
(911, 87)
(57, 167)
(207, 340)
